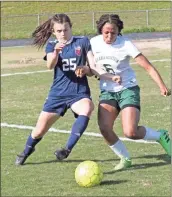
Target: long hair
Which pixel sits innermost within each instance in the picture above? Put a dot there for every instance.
(43, 32)
(109, 18)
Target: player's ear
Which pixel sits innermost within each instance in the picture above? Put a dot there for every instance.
(52, 30)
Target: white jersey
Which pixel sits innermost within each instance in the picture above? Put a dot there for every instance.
(115, 58)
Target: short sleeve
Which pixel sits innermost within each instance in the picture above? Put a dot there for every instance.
(92, 45)
(132, 49)
(87, 44)
(49, 49)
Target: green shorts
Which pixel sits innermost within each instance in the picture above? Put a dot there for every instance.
(129, 97)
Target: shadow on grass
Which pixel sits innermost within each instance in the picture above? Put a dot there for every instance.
(161, 157)
(164, 157)
(138, 166)
(112, 182)
(69, 161)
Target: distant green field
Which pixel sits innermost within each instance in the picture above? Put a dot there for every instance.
(22, 97)
(22, 27)
(40, 7)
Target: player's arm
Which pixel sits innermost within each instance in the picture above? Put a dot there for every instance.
(99, 72)
(52, 59)
(53, 54)
(144, 63)
(88, 70)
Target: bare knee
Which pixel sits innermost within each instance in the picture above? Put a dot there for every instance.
(135, 133)
(44, 122)
(91, 108)
(131, 133)
(88, 110)
(36, 134)
(39, 131)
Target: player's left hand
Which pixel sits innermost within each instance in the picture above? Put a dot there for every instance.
(81, 71)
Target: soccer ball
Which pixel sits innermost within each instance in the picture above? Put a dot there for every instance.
(88, 174)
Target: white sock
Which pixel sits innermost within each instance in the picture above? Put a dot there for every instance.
(151, 134)
(120, 149)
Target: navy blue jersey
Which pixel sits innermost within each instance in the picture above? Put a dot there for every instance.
(65, 81)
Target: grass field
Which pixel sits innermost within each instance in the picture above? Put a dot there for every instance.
(23, 26)
(40, 7)
(22, 97)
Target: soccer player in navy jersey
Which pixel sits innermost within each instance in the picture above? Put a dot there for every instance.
(68, 56)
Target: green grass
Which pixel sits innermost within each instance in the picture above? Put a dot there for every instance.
(22, 27)
(43, 176)
(22, 98)
(39, 7)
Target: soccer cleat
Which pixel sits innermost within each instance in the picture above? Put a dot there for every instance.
(165, 141)
(21, 158)
(62, 154)
(123, 164)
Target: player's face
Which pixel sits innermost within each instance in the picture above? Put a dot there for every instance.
(110, 33)
(63, 32)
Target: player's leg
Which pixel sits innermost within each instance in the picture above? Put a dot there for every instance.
(130, 116)
(83, 108)
(107, 114)
(130, 119)
(52, 110)
(45, 121)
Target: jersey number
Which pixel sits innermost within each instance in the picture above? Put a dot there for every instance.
(109, 68)
(69, 64)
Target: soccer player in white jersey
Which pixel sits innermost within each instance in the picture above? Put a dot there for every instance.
(112, 51)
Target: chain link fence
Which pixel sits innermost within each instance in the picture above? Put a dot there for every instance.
(22, 26)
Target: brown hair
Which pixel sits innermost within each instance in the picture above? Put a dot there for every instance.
(109, 18)
(43, 32)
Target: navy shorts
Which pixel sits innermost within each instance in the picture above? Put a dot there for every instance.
(60, 105)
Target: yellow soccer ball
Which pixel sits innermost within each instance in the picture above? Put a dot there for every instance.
(88, 174)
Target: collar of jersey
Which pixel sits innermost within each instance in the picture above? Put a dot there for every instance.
(68, 42)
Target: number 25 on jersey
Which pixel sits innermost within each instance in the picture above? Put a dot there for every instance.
(69, 64)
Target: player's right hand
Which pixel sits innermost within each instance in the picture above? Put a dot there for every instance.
(59, 46)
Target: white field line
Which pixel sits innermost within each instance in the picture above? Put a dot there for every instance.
(25, 73)
(43, 71)
(160, 60)
(14, 46)
(64, 131)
